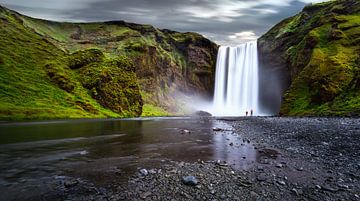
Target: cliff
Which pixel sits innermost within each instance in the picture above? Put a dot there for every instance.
(316, 57)
(93, 70)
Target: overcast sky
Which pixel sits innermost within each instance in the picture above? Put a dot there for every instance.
(227, 22)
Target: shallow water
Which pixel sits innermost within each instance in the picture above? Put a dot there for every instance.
(94, 149)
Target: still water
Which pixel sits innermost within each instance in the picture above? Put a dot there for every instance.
(93, 149)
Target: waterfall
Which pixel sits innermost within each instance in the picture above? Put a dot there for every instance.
(237, 81)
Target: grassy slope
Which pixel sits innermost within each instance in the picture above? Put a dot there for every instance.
(26, 91)
(37, 83)
(322, 51)
(161, 67)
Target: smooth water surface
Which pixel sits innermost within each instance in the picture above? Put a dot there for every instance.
(94, 149)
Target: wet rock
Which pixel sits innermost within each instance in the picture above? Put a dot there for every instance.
(144, 172)
(72, 183)
(281, 182)
(329, 189)
(190, 180)
(203, 114)
(279, 165)
(185, 131)
(253, 195)
(295, 191)
(261, 177)
(217, 129)
(145, 195)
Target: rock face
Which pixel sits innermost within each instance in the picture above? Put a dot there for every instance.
(110, 69)
(169, 65)
(315, 55)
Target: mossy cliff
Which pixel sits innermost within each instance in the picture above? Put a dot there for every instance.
(94, 70)
(316, 55)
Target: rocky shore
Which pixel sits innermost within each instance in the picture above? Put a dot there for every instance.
(297, 159)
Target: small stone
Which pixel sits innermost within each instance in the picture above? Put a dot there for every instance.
(145, 195)
(69, 184)
(330, 189)
(144, 172)
(231, 144)
(300, 169)
(295, 191)
(254, 195)
(83, 152)
(281, 182)
(318, 186)
(212, 192)
(152, 171)
(261, 177)
(279, 165)
(185, 131)
(217, 129)
(190, 180)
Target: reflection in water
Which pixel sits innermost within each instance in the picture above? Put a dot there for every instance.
(92, 149)
(231, 148)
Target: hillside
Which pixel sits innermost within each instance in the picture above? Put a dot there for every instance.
(94, 70)
(316, 55)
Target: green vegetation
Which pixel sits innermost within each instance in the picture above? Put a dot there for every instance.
(321, 46)
(52, 70)
(150, 110)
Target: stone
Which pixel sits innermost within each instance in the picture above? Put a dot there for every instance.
(281, 182)
(279, 165)
(69, 184)
(217, 129)
(145, 195)
(185, 131)
(203, 114)
(144, 172)
(190, 180)
(261, 177)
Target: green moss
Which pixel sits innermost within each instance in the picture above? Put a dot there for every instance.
(113, 84)
(322, 51)
(50, 67)
(84, 57)
(151, 110)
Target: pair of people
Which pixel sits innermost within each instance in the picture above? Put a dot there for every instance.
(251, 113)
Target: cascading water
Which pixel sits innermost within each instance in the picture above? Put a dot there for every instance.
(237, 81)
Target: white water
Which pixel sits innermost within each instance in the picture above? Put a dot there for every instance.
(237, 81)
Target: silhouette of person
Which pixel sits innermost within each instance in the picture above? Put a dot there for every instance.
(251, 112)
(246, 113)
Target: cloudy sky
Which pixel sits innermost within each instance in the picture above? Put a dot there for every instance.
(227, 22)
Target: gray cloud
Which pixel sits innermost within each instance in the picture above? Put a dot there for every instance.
(228, 22)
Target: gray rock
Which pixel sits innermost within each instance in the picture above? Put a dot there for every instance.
(144, 172)
(190, 180)
(217, 129)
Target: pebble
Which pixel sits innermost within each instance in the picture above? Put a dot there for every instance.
(190, 180)
(145, 195)
(261, 177)
(281, 182)
(279, 165)
(185, 131)
(217, 129)
(144, 172)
